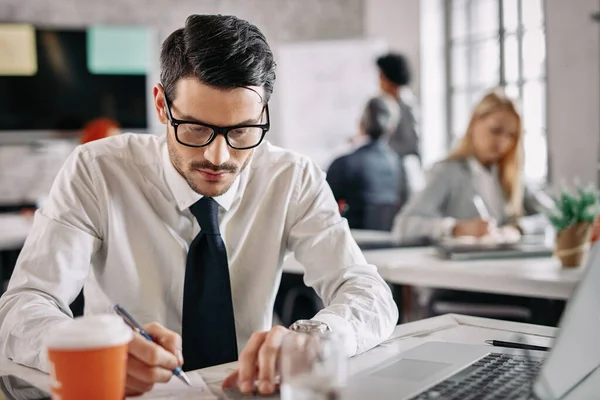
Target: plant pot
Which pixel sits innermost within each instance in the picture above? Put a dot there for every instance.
(572, 244)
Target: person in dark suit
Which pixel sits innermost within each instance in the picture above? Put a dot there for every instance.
(370, 182)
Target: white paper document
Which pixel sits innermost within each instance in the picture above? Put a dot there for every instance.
(177, 390)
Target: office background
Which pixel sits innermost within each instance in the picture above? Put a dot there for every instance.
(568, 132)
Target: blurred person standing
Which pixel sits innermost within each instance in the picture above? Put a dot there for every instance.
(370, 182)
(394, 79)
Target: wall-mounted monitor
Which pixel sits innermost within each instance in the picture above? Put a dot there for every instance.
(81, 74)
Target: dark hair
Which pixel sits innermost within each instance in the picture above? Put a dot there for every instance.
(395, 67)
(380, 117)
(219, 50)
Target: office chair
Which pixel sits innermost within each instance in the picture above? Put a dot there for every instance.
(379, 217)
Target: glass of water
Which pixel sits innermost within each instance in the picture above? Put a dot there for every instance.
(313, 366)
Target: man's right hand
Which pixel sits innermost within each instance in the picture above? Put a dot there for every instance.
(148, 363)
(474, 227)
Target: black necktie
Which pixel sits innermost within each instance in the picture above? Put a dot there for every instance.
(208, 328)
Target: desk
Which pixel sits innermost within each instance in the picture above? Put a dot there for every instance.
(449, 328)
(530, 277)
(365, 236)
(15, 227)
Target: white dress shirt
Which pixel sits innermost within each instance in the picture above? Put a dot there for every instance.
(118, 219)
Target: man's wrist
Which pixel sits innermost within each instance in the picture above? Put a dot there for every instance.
(309, 326)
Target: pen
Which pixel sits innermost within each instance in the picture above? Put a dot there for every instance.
(512, 345)
(481, 208)
(133, 324)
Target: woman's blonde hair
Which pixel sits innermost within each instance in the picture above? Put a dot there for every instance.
(510, 166)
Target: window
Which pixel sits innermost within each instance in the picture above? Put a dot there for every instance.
(493, 43)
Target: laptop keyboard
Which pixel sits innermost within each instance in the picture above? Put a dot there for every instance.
(494, 377)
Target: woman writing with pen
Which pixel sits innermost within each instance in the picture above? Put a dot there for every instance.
(479, 186)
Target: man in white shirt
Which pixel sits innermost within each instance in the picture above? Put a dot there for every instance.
(190, 229)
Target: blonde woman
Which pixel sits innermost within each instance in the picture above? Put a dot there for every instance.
(479, 186)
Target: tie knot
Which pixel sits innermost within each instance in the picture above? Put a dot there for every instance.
(206, 211)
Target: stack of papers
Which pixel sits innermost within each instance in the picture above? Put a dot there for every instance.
(175, 389)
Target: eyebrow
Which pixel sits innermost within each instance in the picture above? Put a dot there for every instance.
(189, 118)
(250, 121)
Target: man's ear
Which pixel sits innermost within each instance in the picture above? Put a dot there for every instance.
(159, 103)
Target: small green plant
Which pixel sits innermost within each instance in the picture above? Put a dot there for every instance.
(573, 208)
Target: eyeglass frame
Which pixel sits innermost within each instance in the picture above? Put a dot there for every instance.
(217, 130)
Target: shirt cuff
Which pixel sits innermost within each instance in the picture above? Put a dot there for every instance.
(339, 325)
(44, 363)
(446, 227)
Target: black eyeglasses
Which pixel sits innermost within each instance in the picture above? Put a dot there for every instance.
(199, 134)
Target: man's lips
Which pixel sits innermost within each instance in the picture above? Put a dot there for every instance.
(212, 176)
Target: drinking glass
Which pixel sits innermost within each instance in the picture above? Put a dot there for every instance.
(313, 366)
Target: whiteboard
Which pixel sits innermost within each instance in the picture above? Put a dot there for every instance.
(322, 89)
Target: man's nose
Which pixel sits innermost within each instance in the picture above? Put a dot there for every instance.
(218, 151)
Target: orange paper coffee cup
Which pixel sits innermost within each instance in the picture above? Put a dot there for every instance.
(88, 358)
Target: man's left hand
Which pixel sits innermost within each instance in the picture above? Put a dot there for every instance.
(258, 361)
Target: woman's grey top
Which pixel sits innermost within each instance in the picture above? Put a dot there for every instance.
(449, 195)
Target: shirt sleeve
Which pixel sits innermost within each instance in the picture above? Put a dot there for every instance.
(359, 304)
(536, 205)
(52, 265)
(415, 177)
(423, 216)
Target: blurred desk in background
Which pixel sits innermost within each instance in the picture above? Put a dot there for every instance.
(370, 239)
(530, 277)
(413, 266)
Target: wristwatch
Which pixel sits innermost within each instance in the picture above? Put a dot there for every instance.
(309, 326)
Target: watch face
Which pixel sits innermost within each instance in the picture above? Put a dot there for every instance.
(309, 326)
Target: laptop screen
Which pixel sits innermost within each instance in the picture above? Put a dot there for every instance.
(576, 350)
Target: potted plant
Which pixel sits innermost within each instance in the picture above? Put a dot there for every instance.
(573, 218)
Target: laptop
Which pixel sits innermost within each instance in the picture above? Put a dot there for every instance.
(533, 246)
(441, 370)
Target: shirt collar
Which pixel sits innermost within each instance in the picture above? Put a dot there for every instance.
(477, 168)
(183, 193)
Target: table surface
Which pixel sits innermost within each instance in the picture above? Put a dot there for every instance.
(447, 328)
(534, 277)
(15, 227)
(420, 266)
